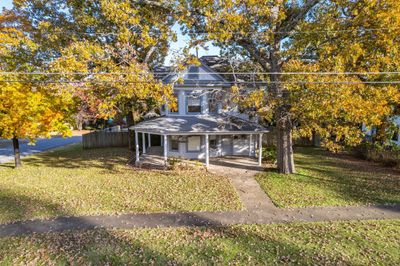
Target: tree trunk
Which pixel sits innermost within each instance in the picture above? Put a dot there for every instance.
(284, 125)
(17, 154)
(316, 139)
(79, 124)
(285, 159)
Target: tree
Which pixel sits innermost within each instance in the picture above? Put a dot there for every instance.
(114, 86)
(26, 109)
(335, 111)
(357, 36)
(292, 36)
(257, 29)
(134, 34)
(144, 25)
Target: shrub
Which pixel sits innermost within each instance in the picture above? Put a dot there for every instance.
(269, 154)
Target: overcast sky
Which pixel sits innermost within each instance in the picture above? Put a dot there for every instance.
(175, 47)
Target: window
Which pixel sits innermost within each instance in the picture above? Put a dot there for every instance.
(163, 108)
(193, 102)
(174, 143)
(213, 99)
(194, 143)
(212, 105)
(213, 142)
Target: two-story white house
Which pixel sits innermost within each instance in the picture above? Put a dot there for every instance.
(202, 126)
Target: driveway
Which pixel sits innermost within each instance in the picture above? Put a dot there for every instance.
(7, 152)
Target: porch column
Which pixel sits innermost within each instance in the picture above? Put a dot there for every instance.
(250, 142)
(260, 149)
(207, 151)
(144, 142)
(165, 149)
(137, 147)
(149, 140)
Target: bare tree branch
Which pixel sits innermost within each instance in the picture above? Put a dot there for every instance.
(295, 16)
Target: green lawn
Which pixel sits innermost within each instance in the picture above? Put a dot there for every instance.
(72, 181)
(325, 179)
(331, 243)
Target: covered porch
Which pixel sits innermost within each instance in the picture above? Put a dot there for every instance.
(199, 138)
(252, 148)
(154, 159)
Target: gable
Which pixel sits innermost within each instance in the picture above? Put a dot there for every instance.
(198, 76)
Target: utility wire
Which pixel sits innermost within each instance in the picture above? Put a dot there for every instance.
(201, 73)
(205, 84)
(242, 33)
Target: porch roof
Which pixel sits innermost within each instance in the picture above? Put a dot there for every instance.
(189, 125)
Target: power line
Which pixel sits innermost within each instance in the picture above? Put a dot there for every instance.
(208, 83)
(201, 73)
(241, 33)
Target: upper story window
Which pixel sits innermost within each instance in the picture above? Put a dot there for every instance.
(193, 102)
(214, 98)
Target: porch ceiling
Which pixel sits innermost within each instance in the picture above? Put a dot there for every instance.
(189, 125)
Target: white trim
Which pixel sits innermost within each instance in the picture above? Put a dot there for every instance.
(137, 148)
(260, 149)
(165, 149)
(206, 132)
(149, 139)
(207, 151)
(250, 141)
(143, 142)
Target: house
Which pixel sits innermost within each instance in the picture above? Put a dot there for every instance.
(395, 139)
(205, 123)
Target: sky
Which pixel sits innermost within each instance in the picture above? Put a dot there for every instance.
(175, 46)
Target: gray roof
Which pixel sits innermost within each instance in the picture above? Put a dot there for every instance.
(193, 75)
(170, 125)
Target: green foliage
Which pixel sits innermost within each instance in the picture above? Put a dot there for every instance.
(269, 154)
(325, 179)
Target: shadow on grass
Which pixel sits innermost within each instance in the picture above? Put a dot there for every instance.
(14, 207)
(87, 245)
(264, 248)
(74, 156)
(350, 178)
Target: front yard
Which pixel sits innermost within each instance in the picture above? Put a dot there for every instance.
(325, 179)
(330, 243)
(73, 181)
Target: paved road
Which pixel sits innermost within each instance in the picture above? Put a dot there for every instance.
(7, 153)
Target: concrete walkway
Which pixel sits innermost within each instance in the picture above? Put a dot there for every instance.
(157, 220)
(7, 152)
(241, 171)
(259, 210)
